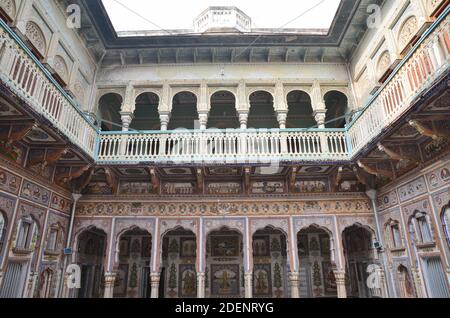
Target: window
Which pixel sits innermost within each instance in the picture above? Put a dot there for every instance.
(25, 233)
(393, 229)
(52, 240)
(422, 228)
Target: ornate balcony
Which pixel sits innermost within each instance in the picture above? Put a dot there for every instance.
(427, 61)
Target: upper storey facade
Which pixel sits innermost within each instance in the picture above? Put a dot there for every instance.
(327, 95)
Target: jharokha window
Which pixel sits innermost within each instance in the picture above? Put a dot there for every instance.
(393, 232)
(421, 228)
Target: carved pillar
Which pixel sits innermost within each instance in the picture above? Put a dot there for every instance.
(203, 119)
(127, 118)
(282, 118)
(294, 284)
(320, 117)
(164, 118)
(201, 279)
(248, 284)
(243, 120)
(110, 279)
(340, 283)
(154, 279)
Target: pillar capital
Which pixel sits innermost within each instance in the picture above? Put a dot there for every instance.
(165, 119)
(372, 194)
(243, 119)
(127, 118)
(203, 119)
(282, 118)
(320, 117)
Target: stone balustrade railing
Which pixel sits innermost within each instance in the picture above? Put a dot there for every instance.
(223, 146)
(27, 78)
(425, 63)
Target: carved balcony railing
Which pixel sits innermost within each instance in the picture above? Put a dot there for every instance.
(26, 77)
(223, 146)
(425, 63)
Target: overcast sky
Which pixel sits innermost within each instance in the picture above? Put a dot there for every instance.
(179, 14)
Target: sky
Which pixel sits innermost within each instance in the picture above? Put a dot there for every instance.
(179, 14)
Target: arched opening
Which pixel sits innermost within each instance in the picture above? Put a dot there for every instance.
(262, 112)
(109, 107)
(405, 285)
(184, 111)
(224, 264)
(315, 250)
(223, 112)
(269, 264)
(359, 255)
(133, 268)
(146, 114)
(178, 271)
(91, 253)
(337, 107)
(46, 284)
(300, 111)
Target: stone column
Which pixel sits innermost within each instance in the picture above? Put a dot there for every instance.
(248, 284)
(320, 117)
(127, 118)
(203, 120)
(110, 279)
(294, 284)
(164, 118)
(282, 118)
(154, 279)
(201, 279)
(340, 282)
(243, 120)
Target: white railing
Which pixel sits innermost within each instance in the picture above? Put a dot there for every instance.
(427, 63)
(223, 146)
(26, 77)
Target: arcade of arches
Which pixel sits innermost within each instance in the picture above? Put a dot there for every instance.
(226, 272)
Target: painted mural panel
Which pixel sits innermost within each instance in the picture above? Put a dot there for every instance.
(387, 200)
(225, 280)
(187, 281)
(60, 203)
(311, 186)
(224, 246)
(439, 177)
(262, 280)
(269, 187)
(9, 182)
(35, 193)
(412, 189)
(223, 188)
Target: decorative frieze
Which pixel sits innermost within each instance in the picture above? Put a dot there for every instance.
(412, 189)
(350, 206)
(35, 193)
